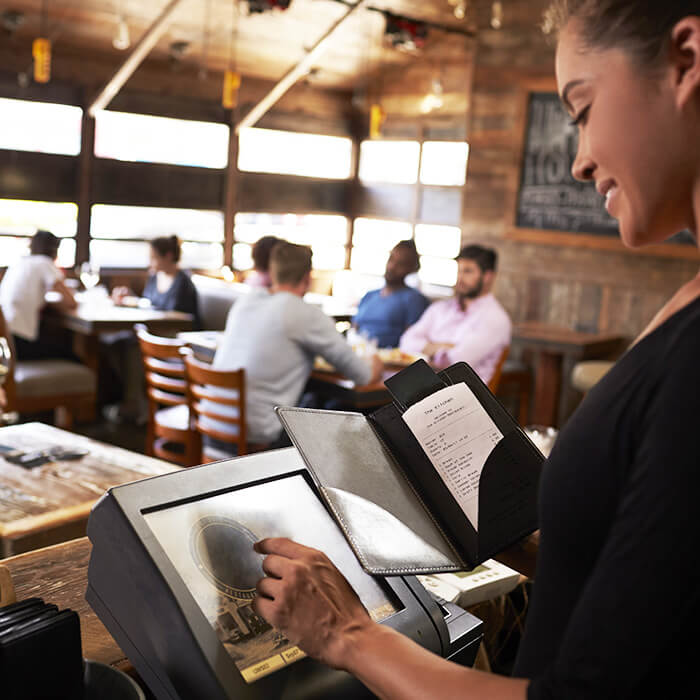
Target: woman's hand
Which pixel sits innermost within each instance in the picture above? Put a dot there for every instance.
(119, 294)
(306, 598)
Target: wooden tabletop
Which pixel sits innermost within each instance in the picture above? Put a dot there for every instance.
(42, 505)
(105, 317)
(562, 338)
(58, 574)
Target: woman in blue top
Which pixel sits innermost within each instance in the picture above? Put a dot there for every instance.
(616, 604)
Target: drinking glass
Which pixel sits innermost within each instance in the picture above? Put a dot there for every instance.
(89, 275)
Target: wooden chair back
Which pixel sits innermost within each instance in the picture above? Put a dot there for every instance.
(496, 376)
(217, 395)
(166, 386)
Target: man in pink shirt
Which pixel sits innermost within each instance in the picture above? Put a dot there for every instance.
(472, 326)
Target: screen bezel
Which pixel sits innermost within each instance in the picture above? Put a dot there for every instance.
(139, 499)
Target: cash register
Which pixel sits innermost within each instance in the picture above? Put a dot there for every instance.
(172, 576)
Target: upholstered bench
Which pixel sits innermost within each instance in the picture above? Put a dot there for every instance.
(69, 388)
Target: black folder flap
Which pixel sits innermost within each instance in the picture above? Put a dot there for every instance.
(509, 482)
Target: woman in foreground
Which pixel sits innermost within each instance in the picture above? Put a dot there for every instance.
(616, 604)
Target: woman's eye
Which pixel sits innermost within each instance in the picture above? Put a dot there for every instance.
(580, 117)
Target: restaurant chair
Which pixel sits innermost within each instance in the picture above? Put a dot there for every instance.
(585, 375)
(496, 376)
(217, 395)
(169, 434)
(69, 389)
(516, 382)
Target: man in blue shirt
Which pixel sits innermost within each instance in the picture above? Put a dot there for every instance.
(386, 313)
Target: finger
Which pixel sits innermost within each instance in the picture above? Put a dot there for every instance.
(265, 608)
(284, 547)
(268, 588)
(275, 565)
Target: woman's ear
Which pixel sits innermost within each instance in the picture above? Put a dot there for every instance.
(685, 56)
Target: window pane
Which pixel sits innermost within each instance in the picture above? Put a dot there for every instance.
(290, 153)
(441, 241)
(202, 256)
(242, 256)
(40, 127)
(325, 234)
(444, 163)
(23, 217)
(120, 253)
(123, 222)
(143, 138)
(442, 271)
(379, 234)
(389, 161)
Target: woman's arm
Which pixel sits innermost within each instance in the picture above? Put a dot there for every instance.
(305, 597)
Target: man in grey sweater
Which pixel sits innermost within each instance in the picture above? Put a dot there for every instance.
(275, 337)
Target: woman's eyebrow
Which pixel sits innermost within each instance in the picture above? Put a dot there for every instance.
(565, 93)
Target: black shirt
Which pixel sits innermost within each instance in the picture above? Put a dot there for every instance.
(616, 606)
(180, 296)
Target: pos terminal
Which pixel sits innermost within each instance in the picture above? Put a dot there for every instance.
(172, 576)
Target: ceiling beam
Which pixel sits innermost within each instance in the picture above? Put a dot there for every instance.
(135, 58)
(298, 71)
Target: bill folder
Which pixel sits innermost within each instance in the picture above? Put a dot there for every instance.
(393, 506)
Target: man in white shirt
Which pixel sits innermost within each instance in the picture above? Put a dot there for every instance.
(275, 337)
(22, 296)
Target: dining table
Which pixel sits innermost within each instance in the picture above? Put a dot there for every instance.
(325, 381)
(556, 350)
(96, 315)
(51, 478)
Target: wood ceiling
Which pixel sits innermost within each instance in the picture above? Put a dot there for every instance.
(266, 45)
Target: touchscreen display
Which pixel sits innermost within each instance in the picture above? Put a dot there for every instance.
(210, 543)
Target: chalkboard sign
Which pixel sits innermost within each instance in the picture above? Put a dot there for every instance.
(549, 197)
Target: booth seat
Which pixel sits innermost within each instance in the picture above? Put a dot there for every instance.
(215, 300)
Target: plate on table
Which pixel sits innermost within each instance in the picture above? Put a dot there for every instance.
(397, 357)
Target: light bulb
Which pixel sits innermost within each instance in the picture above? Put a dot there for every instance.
(460, 10)
(497, 15)
(121, 40)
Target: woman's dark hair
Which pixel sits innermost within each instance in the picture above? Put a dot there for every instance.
(485, 258)
(640, 27)
(261, 252)
(44, 243)
(167, 245)
(410, 247)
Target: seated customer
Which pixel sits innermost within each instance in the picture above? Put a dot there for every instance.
(168, 288)
(386, 313)
(22, 297)
(472, 326)
(260, 275)
(275, 338)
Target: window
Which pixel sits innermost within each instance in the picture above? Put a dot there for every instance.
(148, 139)
(371, 242)
(121, 233)
(20, 219)
(325, 233)
(41, 127)
(291, 153)
(438, 247)
(389, 161)
(444, 163)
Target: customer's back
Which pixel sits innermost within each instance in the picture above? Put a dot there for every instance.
(275, 338)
